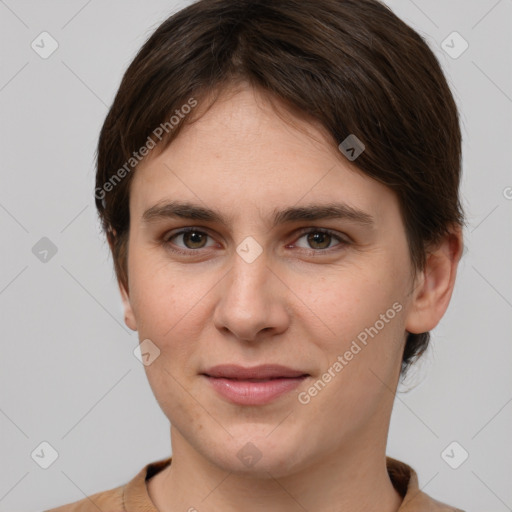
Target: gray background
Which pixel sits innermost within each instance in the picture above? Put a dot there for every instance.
(68, 374)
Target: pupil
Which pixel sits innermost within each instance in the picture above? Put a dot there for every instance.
(318, 237)
(196, 237)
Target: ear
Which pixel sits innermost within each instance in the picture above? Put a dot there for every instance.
(129, 317)
(434, 285)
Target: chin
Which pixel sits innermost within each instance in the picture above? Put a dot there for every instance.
(258, 454)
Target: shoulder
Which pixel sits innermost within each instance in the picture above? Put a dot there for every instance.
(405, 480)
(131, 496)
(106, 501)
(421, 502)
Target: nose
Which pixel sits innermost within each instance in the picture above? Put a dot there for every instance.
(252, 301)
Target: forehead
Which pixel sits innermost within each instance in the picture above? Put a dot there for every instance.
(242, 153)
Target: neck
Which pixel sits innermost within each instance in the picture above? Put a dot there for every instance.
(346, 480)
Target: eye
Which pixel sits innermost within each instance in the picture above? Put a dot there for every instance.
(320, 239)
(192, 239)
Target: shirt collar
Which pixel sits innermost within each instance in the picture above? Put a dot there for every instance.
(405, 480)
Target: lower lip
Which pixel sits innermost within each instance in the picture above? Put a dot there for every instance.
(245, 392)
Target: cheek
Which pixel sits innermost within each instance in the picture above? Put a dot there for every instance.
(171, 306)
(167, 307)
(157, 296)
(350, 301)
(362, 350)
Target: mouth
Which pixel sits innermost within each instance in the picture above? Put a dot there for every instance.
(253, 386)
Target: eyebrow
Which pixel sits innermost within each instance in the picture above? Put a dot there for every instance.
(313, 212)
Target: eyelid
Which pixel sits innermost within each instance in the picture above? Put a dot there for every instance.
(181, 231)
(335, 234)
(342, 239)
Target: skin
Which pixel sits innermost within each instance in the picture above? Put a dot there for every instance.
(299, 304)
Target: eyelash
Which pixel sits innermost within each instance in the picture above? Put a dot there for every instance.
(167, 240)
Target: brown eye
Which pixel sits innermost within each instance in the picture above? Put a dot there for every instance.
(319, 240)
(191, 240)
(194, 239)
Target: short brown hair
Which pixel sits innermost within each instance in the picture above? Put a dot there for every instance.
(352, 65)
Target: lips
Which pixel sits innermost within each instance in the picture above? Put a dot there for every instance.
(262, 372)
(253, 386)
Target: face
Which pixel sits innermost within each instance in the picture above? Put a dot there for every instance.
(295, 259)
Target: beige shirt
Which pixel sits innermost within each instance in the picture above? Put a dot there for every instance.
(134, 497)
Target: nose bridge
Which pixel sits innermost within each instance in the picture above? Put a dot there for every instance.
(249, 276)
(248, 302)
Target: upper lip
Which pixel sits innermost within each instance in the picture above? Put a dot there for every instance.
(264, 371)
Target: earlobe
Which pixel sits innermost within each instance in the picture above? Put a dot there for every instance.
(129, 317)
(434, 286)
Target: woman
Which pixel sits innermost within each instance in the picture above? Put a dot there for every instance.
(243, 134)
